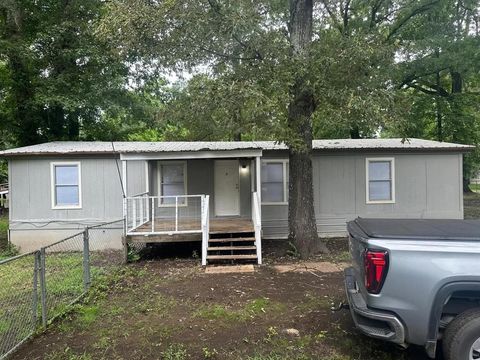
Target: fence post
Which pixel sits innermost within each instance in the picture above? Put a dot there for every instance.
(86, 260)
(35, 289)
(43, 287)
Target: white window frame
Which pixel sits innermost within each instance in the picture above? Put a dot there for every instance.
(285, 181)
(159, 181)
(392, 174)
(53, 184)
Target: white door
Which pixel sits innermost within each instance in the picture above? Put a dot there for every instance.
(227, 188)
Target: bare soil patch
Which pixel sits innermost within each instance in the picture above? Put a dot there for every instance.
(171, 309)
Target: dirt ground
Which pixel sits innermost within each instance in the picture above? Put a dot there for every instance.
(170, 309)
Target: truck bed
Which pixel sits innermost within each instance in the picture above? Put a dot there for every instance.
(416, 229)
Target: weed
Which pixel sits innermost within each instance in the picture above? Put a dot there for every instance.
(8, 250)
(293, 251)
(175, 352)
(314, 303)
(68, 354)
(209, 354)
(252, 309)
(132, 254)
(88, 315)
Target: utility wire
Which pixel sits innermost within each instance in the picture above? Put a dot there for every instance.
(118, 171)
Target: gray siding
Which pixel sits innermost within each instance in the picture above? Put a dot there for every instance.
(427, 186)
(200, 180)
(34, 223)
(136, 177)
(31, 192)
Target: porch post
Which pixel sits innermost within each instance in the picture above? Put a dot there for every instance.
(258, 230)
(259, 182)
(124, 188)
(147, 190)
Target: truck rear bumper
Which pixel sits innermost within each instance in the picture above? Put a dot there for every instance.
(374, 323)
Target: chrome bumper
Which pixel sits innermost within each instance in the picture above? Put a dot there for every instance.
(374, 323)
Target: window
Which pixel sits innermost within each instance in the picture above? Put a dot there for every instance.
(172, 182)
(66, 185)
(380, 180)
(274, 182)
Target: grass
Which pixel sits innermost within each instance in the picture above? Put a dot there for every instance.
(5, 250)
(471, 205)
(251, 309)
(64, 283)
(475, 187)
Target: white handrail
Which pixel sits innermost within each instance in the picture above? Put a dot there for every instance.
(205, 227)
(257, 225)
(140, 210)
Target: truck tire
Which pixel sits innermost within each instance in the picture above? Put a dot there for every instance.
(461, 339)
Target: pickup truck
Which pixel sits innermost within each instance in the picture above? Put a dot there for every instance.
(417, 282)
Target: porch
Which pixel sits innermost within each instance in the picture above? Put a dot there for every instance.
(213, 200)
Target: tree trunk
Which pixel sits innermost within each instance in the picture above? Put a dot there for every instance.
(438, 111)
(466, 185)
(301, 213)
(457, 89)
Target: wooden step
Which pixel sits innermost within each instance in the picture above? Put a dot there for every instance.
(225, 248)
(231, 257)
(223, 240)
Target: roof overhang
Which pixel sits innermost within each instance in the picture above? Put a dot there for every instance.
(248, 153)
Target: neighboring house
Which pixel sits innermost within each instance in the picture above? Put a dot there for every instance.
(3, 197)
(228, 194)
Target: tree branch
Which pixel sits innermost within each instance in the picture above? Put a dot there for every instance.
(412, 77)
(422, 89)
(332, 16)
(406, 19)
(216, 7)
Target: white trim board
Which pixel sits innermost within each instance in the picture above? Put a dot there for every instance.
(53, 184)
(284, 163)
(367, 180)
(192, 155)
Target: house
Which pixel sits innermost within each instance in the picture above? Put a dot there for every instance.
(229, 195)
(3, 197)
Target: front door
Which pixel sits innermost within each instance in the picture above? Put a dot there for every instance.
(227, 188)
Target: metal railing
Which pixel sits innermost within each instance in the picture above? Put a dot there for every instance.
(37, 287)
(257, 225)
(3, 195)
(156, 215)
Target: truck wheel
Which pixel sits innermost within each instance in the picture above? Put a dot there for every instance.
(461, 340)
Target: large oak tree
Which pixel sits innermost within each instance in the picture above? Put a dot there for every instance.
(313, 61)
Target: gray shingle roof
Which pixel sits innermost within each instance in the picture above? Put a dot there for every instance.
(98, 147)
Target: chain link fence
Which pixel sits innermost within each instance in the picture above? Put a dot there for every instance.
(37, 287)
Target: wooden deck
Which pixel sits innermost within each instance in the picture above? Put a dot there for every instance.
(217, 226)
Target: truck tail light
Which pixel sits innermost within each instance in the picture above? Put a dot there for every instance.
(376, 267)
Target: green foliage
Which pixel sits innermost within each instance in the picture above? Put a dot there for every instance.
(175, 352)
(58, 81)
